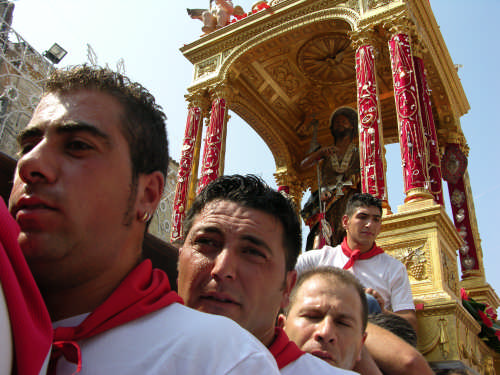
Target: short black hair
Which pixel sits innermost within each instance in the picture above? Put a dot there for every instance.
(397, 325)
(332, 273)
(362, 200)
(143, 121)
(252, 192)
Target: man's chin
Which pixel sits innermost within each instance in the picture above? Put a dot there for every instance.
(227, 309)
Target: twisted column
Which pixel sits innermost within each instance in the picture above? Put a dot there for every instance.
(188, 167)
(371, 142)
(213, 151)
(435, 185)
(411, 134)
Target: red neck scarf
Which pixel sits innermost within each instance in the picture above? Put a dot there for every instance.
(29, 319)
(143, 291)
(356, 254)
(284, 350)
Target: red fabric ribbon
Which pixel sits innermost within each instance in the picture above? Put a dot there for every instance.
(284, 350)
(356, 254)
(143, 291)
(29, 320)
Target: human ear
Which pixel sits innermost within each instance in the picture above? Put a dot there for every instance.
(280, 322)
(291, 278)
(149, 192)
(345, 221)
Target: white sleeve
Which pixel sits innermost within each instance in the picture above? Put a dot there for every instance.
(308, 260)
(256, 363)
(401, 296)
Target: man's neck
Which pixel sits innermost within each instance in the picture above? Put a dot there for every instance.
(267, 338)
(353, 245)
(85, 297)
(342, 145)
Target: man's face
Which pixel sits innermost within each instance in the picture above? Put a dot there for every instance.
(342, 127)
(325, 320)
(363, 227)
(72, 187)
(233, 264)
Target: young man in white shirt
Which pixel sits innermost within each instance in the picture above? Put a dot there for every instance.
(383, 276)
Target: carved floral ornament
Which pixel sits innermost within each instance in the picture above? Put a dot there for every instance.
(327, 59)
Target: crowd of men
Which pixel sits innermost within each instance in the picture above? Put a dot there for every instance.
(76, 294)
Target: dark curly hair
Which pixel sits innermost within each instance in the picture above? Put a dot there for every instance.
(143, 121)
(252, 192)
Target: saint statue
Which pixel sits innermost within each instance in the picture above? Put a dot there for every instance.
(338, 178)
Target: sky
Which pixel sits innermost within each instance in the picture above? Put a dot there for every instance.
(147, 35)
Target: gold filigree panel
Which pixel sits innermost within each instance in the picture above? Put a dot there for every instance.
(282, 73)
(415, 257)
(207, 67)
(450, 272)
(328, 59)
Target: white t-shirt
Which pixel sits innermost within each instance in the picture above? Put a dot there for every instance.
(309, 364)
(6, 345)
(382, 272)
(172, 340)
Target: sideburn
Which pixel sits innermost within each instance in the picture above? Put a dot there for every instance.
(128, 216)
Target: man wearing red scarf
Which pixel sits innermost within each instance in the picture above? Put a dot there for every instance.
(92, 171)
(385, 276)
(242, 239)
(382, 275)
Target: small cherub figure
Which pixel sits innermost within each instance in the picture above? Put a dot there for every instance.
(217, 16)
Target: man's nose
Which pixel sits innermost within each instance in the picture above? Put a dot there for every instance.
(225, 265)
(38, 165)
(325, 331)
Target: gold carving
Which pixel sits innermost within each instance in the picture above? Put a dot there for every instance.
(281, 72)
(327, 59)
(444, 341)
(449, 272)
(206, 67)
(414, 260)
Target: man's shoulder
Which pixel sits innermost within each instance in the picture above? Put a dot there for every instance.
(326, 256)
(388, 260)
(325, 251)
(184, 340)
(309, 364)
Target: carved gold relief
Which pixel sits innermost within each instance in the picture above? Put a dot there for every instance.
(282, 74)
(251, 76)
(206, 67)
(327, 59)
(415, 260)
(449, 272)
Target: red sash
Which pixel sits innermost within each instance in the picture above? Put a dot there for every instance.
(143, 291)
(284, 350)
(29, 319)
(354, 255)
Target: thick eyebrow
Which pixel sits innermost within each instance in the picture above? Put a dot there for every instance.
(258, 242)
(254, 240)
(32, 132)
(65, 128)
